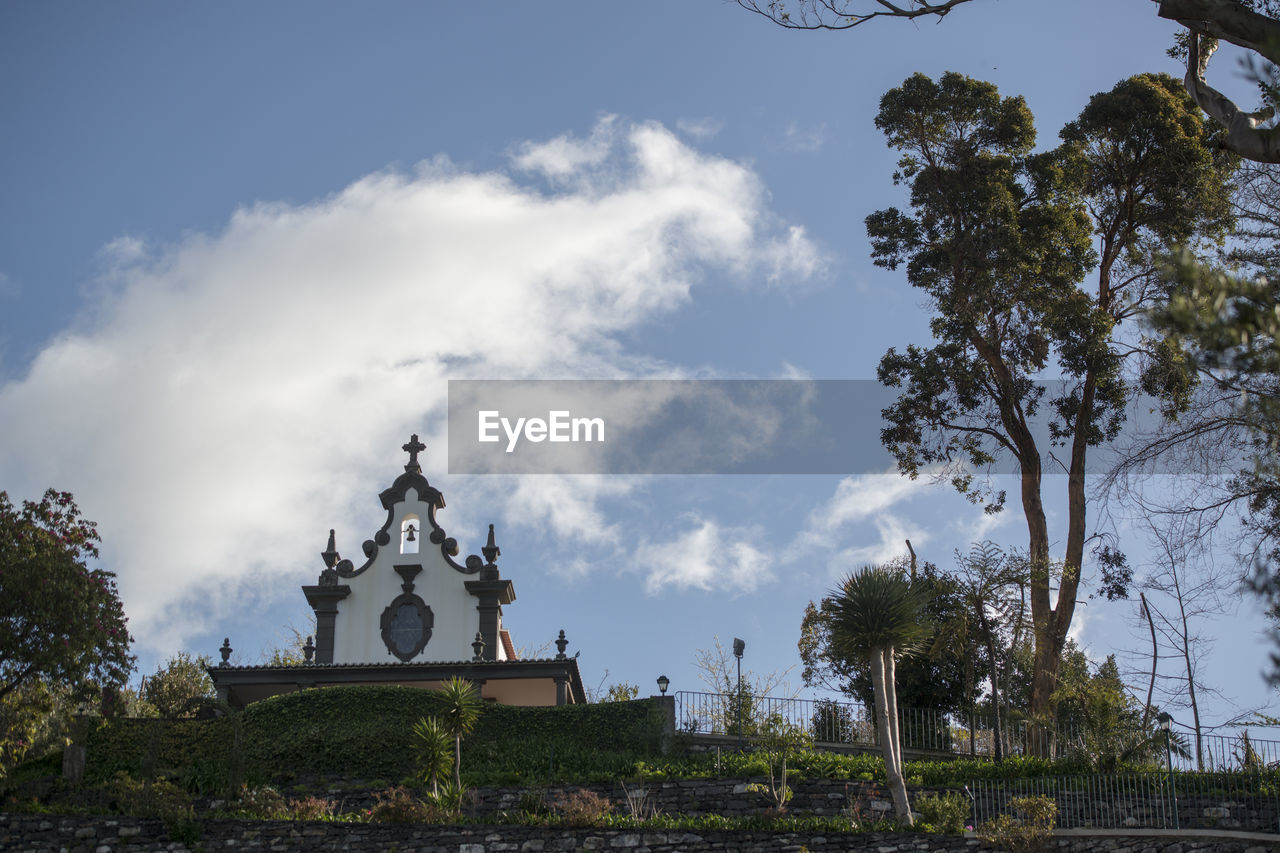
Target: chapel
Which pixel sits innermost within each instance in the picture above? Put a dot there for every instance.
(410, 614)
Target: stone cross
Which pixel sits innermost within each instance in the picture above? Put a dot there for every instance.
(413, 448)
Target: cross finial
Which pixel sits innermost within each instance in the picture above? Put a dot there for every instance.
(413, 448)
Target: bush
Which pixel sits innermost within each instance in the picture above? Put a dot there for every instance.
(946, 813)
(399, 805)
(262, 801)
(583, 808)
(1030, 833)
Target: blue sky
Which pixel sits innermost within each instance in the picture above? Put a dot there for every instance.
(247, 245)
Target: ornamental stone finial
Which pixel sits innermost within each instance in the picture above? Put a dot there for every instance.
(330, 553)
(561, 645)
(413, 448)
(225, 651)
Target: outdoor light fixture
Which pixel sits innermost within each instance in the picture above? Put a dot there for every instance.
(738, 648)
(663, 684)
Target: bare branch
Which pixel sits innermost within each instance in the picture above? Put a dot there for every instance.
(840, 14)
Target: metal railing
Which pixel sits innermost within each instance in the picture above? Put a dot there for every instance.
(848, 723)
(1238, 801)
(853, 724)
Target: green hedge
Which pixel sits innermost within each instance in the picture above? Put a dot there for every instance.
(364, 733)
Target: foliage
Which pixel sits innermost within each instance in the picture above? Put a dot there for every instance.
(462, 707)
(367, 732)
(1000, 238)
(180, 687)
(779, 742)
(621, 692)
(946, 813)
(399, 805)
(879, 615)
(34, 718)
(1030, 833)
(941, 679)
(1251, 24)
(262, 801)
(61, 622)
(718, 670)
(583, 808)
(431, 742)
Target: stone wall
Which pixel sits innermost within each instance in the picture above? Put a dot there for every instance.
(105, 835)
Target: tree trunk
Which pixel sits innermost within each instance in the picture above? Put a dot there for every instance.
(1155, 658)
(887, 730)
(995, 687)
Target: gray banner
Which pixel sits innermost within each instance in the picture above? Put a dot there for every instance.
(689, 427)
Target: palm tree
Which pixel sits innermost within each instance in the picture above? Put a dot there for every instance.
(878, 616)
(461, 710)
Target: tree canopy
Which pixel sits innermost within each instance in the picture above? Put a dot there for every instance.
(1251, 24)
(60, 621)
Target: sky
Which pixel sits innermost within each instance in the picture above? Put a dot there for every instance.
(246, 246)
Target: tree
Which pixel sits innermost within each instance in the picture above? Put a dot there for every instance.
(61, 622)
(461, 711)
(718, 670)
(999, 238)
(994, 590)
(878, 615)
(941, 679)
(180, 687)
(1251, 24)
(623, 691)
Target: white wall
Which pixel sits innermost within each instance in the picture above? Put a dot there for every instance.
(357, 634)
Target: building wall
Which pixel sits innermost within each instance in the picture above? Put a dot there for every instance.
(357, 630)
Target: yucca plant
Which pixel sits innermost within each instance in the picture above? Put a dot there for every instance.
(878, 616)
(432, 748)
(462, 706)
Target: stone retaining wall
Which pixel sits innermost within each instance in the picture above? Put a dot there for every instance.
(105, 835)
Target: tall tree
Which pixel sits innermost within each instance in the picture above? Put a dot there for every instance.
(878, 616)
(1251, 24)
(999, 238)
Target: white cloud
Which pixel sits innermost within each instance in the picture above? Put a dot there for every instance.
(702, 128)
(804, 139)
(706, 557)
(233, 395)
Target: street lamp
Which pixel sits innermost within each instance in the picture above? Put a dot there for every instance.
(1164, 721)
(739, 647)
(663, 684)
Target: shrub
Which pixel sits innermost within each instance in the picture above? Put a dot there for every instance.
(310, 808)
(160, 799)
(399, 805)
(946, 813)
(1028, 834)
(583, 808)
(262, 801)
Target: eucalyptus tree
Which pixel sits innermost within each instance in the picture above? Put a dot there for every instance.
(1251, 24)
(1000, 238)
(877, 615)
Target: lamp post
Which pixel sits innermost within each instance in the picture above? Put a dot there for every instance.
(1165, 722)
(738, 648)
(663, 684)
